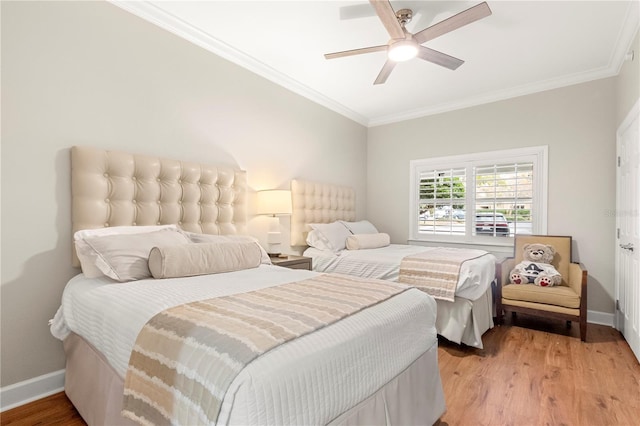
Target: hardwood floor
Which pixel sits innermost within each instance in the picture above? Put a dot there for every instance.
(52, 410)
(539, 375)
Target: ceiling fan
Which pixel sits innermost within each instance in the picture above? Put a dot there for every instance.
(404, 46)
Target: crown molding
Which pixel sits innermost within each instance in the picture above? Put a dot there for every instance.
(151, 13)
(171, 23)
(488, 98)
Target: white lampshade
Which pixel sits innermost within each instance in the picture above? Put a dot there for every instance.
(274, 202)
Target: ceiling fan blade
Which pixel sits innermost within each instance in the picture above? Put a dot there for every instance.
(456, 21)
(388, 17)
(355, 52)
(384, 72)
(439, 58)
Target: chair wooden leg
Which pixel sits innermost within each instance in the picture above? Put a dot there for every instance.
(583, 329)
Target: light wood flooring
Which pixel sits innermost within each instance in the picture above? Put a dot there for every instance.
(539, 375)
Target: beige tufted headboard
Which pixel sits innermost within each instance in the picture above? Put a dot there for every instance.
(314, 202)
(110, 188)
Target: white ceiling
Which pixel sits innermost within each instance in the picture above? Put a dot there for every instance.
(523, 47)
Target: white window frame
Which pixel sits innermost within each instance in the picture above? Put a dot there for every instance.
(538, 155)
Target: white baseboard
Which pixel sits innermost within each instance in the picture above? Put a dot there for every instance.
(31, 390)
(602, 318)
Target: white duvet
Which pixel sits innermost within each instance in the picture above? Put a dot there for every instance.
(384, 263)
(307, 381)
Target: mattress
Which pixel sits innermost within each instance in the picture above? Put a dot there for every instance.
(307, 381)
(383, 263)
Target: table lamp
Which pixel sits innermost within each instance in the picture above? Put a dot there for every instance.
(274, 202)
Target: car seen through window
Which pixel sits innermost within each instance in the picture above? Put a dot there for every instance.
(494, 224)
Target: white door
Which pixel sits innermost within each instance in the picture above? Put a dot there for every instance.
(628, 225)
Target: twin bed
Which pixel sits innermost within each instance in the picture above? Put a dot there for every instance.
(162, 247)
(323, 215)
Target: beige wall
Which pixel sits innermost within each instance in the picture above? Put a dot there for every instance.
(577, 123)
(628, 83)
(89, 73)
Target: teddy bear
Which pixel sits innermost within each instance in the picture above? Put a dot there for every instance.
(536, 267)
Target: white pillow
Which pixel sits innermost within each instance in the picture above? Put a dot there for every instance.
(87, 256)
(125, 257)
(367, 241)
(113, 230)
(212, 238)
(360, 227)
(315, 239)
(334, 234)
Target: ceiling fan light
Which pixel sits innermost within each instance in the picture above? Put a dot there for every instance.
(402, 51)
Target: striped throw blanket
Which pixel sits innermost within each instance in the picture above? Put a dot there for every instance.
(436, 271)
(186, 357)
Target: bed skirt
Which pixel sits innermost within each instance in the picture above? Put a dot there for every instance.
(96, 390)
(465, 321)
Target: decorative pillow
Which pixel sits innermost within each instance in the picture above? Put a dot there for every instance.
(195, 237)
(333, 234)
(187, 260)
(85, 253)
(360, 227)
(368, 241)
(124, 257)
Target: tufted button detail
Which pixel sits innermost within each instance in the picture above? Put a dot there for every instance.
(106, 200)
(159, 202)
(199, 203)
(179, 180)
(134, 201)
(179, 222)
(179, 201)
(158, 223)
(106, 225)
(134, 178)
(199, 222)
(106, 175)
(134, 224)
(158, 180)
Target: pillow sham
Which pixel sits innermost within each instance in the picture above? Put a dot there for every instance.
(195, 237)
(334, 235)
(368, 241)
(315, 240)
(188, 260)
(360, 227)
(124, 257)
(113, 230)
(86, 255)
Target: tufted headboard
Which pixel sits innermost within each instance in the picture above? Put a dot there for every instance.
(111, 188)
(314, 202)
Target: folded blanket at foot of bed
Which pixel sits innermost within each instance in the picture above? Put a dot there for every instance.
(436, 271)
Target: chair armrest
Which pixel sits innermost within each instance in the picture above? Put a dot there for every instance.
(577, 279)
(503, 269)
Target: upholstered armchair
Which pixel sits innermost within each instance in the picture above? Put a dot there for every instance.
(567, 301)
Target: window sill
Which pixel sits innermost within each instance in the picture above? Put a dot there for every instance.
(499, 249)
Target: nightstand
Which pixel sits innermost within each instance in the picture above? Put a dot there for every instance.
(292, 262)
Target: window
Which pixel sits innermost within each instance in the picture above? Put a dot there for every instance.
(484, 197)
